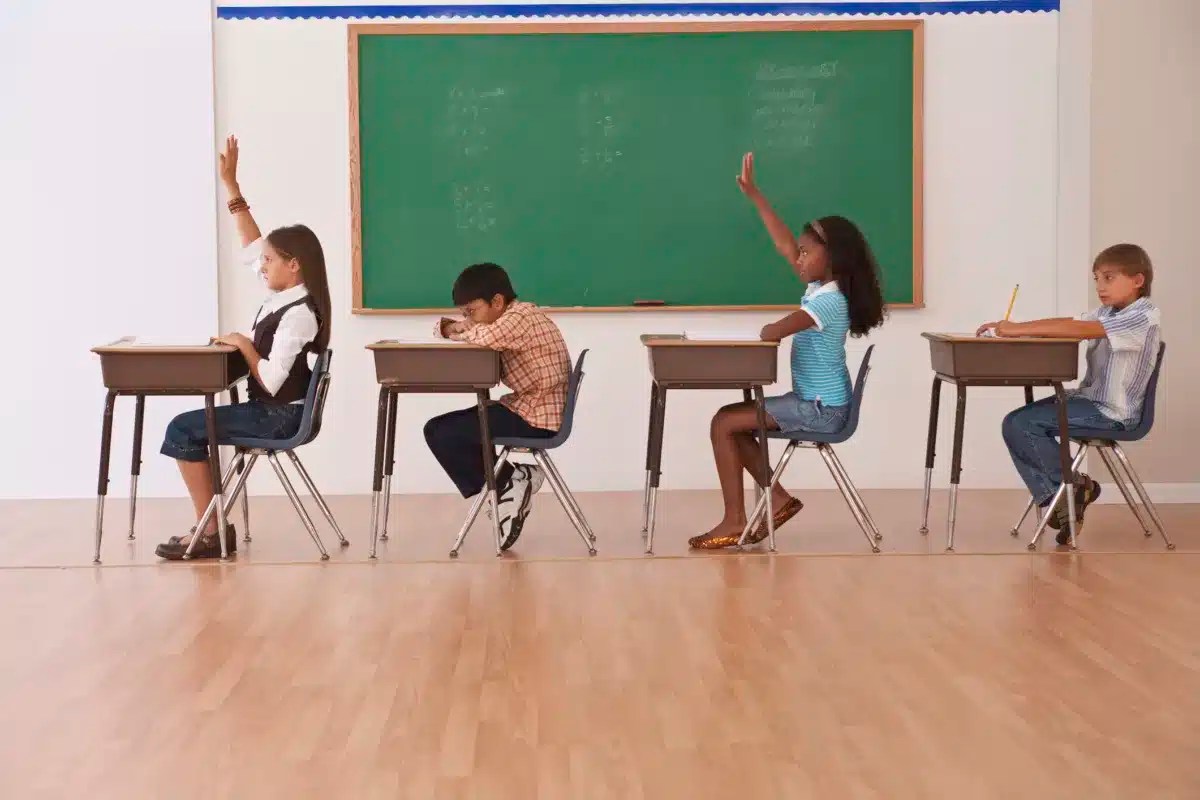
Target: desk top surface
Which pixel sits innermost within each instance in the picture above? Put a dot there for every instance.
(443, 344)
(128, 345)
(957, 338)
(678, 340)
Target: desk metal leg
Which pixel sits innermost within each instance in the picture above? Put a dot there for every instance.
(235, 399)
(1062, 487)
(960, 413)
(748, 397)
(935, 399)
(1064, 454)
(649, 450)
(764, 481)
(1028, 395)
(658, 418)
(377, 476)
(489, 464)
(214, 468)
(389, 462)
(135, 466)
(102, 481)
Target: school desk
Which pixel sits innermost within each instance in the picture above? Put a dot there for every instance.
(142, 371)
(429, 368)
(967, 361)
(680, 363)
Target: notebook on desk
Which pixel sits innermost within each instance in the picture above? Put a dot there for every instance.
(713, 335)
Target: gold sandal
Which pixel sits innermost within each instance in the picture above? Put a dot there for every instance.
(710, 542)
(790, 509)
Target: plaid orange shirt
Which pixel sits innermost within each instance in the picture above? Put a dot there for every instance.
(534, 361)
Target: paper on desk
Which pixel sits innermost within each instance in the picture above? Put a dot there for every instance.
(713, 335)
(152, 341)
(421, 340)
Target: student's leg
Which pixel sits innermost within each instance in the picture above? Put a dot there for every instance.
(1031, 434)
(751, 457)
(735, 450)
(187, 442)
(454, 439)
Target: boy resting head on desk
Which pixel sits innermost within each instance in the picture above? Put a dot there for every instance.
(534, 363)
(1123, 336)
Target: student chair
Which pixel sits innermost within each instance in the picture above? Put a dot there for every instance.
(1107, 444)
(539, 449)
(823, 444)
(249, 449)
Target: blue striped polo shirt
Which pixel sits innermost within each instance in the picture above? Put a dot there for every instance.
(819, 353)
(1119, 365)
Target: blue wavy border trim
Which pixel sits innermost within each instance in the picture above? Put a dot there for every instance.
(636, 9)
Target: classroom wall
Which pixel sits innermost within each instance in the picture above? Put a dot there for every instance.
(1145, 125)
(992, 214)
(107, 220)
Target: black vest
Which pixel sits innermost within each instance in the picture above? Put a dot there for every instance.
(295, 386)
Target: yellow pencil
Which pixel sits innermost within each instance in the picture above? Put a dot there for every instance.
(1011, 302)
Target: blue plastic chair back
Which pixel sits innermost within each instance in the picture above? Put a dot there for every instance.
(564, 432)
(314, 410)
(837, 437)
(1144, 425)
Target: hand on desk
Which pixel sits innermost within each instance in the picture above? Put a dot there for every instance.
(237, 340)
(1001, 328)
(449, 327)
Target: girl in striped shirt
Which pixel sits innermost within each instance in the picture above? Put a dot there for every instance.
(843, 298)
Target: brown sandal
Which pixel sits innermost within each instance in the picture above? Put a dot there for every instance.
(790, 509)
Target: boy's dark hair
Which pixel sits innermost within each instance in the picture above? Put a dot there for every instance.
(482, 282)
(852, 265)
(1131, 260)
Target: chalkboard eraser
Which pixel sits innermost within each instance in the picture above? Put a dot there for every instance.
(649, 302)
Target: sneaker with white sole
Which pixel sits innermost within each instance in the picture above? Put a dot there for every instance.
(515, 502)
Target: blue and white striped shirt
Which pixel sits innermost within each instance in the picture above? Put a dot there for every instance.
(819, 353)
(1119, 365)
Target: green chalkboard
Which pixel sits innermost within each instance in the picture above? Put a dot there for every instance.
(597, 164)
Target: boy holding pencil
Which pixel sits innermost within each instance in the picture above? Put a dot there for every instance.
(1123, 335)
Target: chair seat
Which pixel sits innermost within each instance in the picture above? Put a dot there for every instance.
(530, 442)
(1097, 435)
(837, 437)
(269, 445)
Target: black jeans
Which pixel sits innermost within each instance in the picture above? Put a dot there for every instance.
(456, 442)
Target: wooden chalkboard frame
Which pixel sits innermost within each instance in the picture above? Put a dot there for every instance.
(354, 32)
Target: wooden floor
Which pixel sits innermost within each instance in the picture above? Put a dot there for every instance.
(548, 674)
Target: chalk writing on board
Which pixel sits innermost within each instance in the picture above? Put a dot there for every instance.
(469, 114)
(788, 104)
(600, 126)
(474, 207)
(776, 72)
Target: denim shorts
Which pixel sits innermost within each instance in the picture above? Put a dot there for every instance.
(187, 437)
(795, 415)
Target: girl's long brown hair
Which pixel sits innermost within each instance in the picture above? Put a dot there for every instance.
(300, 243)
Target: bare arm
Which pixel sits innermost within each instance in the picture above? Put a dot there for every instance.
(1058, 327)
(781, 235)
(793, 323)
(247, 228)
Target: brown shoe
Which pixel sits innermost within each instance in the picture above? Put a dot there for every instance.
(790, 509)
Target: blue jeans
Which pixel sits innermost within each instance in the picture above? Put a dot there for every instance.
(187, 436)
(1031, 435)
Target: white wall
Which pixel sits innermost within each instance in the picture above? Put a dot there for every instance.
(1145, 168)
(992, 203)
(107, 221)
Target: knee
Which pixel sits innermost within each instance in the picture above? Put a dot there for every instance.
(722, 422)
(434, 431)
